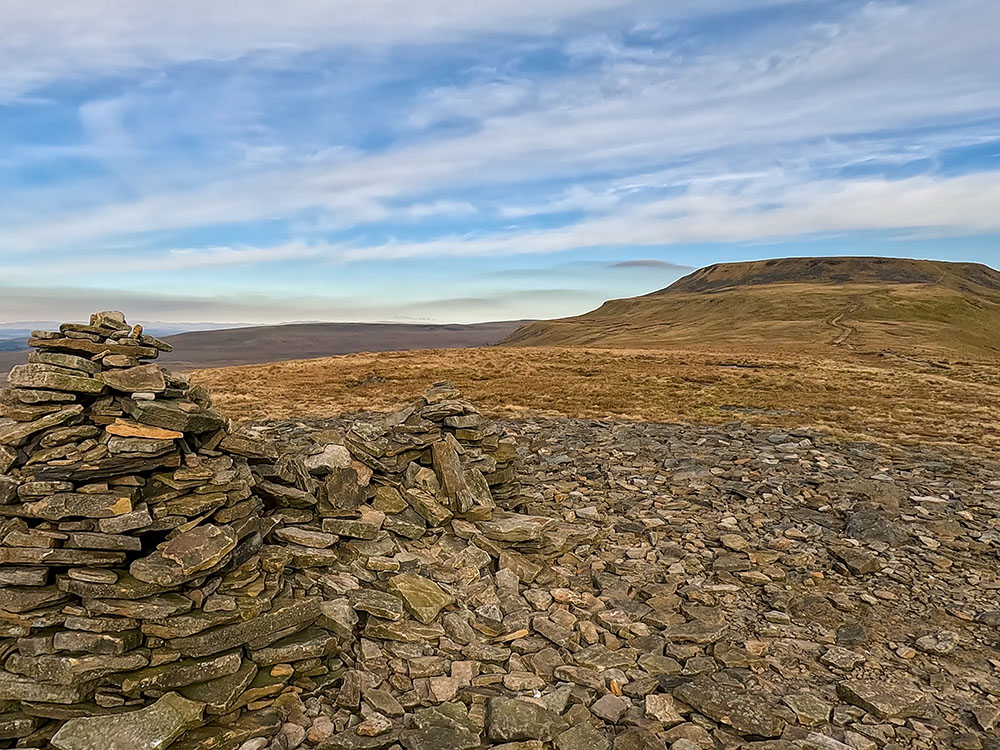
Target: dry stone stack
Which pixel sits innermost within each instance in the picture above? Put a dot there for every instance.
(132, 565)
(167, 582)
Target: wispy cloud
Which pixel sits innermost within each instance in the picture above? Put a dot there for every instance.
(245, 140)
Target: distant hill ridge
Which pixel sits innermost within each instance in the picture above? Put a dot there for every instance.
(858, 304)
(837, 271)
(260, 344)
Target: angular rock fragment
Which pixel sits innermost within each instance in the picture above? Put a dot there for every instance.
(185, 555)
(423, 598)
(512, 719)
(144, 378)
(887, 700)
(747, 711)
(150, 728)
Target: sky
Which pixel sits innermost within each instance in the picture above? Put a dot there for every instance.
(390, 160)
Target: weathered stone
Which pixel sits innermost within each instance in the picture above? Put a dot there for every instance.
(149, 608)
(809, 710)
(90, 348)
(511, 719)
(76, 668)
(887, 700)
(16, 433)
(423, 598)
(582, 737)
(150, 728)
(290, 497)
(513, 527)
(747, 711)
(308, 644)
(329, 458)
(68, 361)
(379, 603)
(240, 445)
(77, 504)
(286, 614)
(125, 428)
(448, 468)
(58, 557)
(695, 631)
(338, 617)
(185, 555)
(610, 708)
(25, 599)
(350, 528)
(351, 740)
(858, 561)
(441, 727)
(112, 644)
(181, 673)
(306, 537)
(145, 378)
(54, 378)
(426, 506)
(174, 415)
(97, 540)
(661, 708)
(20, 688)
(16, 725)
(23, 576)
(8, 457)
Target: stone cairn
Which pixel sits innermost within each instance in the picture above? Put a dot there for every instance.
(165, 581)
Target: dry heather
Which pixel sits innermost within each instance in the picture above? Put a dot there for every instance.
(881, 398)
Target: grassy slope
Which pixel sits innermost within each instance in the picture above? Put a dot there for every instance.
(885, 398)
(922, 308)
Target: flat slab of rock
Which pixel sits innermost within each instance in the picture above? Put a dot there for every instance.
(884, 699)
(14, 433)
(172, 414)
(125, 428)
(286, 615)
(17, 687)
(185, 555)
(150, 728)
(58, 557)
(76, 504)
(747, 711)
(512, 719)
(53, 378)
(423, 598)
(514, 527)
(144, 378)
(83, 346)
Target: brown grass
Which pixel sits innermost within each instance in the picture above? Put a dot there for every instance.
(886, 399)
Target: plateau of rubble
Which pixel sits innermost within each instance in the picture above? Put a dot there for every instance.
(432, 579)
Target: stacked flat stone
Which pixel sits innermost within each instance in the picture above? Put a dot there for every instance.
(443, 423)
(131, 559)
(392, 524)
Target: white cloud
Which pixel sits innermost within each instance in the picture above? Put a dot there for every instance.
(737, 110)
(75, 38)
(712, 213)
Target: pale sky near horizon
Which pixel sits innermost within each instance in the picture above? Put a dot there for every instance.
(457, 162)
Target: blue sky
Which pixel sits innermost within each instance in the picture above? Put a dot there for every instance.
(451, 161)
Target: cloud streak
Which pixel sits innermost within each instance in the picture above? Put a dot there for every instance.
(231, 144)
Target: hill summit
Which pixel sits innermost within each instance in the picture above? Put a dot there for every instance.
(865, 305)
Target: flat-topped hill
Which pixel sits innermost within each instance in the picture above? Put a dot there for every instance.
(870, 305)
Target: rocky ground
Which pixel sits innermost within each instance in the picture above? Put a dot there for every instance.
(700, 587)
